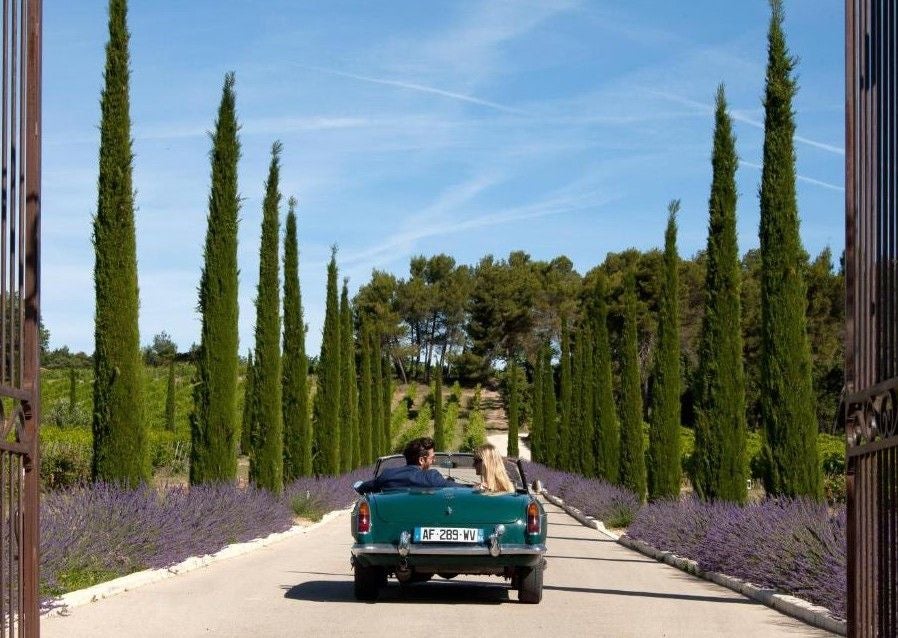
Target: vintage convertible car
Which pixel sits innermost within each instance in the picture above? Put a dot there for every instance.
(415, 533)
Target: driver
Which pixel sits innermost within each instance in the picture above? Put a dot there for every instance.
(417, 472)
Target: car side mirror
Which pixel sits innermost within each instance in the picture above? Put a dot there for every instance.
(357, 485)
(537, 486)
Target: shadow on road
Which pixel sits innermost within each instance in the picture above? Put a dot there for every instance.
(610, 560)
(578, 538)
(652, 594)
(439, 592)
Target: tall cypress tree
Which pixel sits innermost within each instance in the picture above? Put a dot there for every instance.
(607, 429)
(377, 414)
(587, 400)
(718, 463)
(565, 442)
(213, 422)
(249, 394)
(578, 387)
(327, 398)
(387, 396)
(367, 447)
(514, 408)
(439, 433)
(170, 398)
(297, 425)
(550, 410)
(664, 434)
(349, 398)
(787, 398)
(266, 459)
(535, 432)
(632, 453)
(119, 431)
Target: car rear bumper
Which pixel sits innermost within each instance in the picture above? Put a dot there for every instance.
(450, 550)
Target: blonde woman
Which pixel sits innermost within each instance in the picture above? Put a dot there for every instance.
(489, 466)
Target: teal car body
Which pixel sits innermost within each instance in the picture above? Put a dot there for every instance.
(414, 533)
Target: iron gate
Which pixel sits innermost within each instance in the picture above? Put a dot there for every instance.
(20, 134)
(871, 335)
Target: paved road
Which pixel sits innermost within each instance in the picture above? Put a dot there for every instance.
(303, 587)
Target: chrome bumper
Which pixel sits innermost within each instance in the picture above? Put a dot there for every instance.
(451, 550)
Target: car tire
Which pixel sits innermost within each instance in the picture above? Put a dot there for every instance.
(530, 585)
(368, 581)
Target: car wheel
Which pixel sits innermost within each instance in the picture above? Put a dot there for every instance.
(368, 581)
(530, 584)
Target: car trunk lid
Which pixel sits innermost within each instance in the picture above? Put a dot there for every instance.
(447, 507)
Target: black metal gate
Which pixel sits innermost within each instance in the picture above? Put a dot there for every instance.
(871, 336)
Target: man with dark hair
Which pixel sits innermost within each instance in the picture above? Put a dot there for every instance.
(416, 472)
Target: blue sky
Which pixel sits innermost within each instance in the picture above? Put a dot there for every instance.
(409, 127)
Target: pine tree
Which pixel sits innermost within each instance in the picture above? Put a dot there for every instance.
(607, 429)
(718, 466)
(349, 399)
(787, 398)
(170, 398)
(632, 454)
(565, 441)
(249, 393)
(297, 424)
(367, 444)
(439, 433)
(327, 398)
(550, 410)
(514, 408)
(213, 422)
(535, 436)
(664, 434)
(119, 432)
(266, 460)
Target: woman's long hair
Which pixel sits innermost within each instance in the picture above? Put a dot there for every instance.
(492, 471)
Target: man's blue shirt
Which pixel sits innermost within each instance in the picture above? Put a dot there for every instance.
(406, 476)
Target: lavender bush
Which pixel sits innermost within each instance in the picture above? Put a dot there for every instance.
(792, 545)
(93, 533)
(615, 506)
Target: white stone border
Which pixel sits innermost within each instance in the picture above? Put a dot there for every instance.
(790, 605)
(122, 584)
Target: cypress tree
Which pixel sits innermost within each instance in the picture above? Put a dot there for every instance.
(664, 434)
(514, 408)
(249, 393)
(550, 411)
(213, 422)
(327, 398)
(349, 399)
(632, 454)
(377, 414)
(587, 401)
(535, 435)
(718, 463)
(170, 398)
(565, 441)
(366, 448)
(787, 398)
(387, 401)
(119, 431)
(439, 434)
(607, 429)
(577, 432)
(297, 424)
(266, 460)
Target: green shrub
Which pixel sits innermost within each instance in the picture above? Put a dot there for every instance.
(834, 489)
(420, 427)
(170, 451)
(450, 425)
(455, 393)
(475, 432)
(307, 506)
(398, 419)
(64, 464)
(65, 415)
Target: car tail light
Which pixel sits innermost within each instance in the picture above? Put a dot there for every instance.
(533, 518)
(364, 518)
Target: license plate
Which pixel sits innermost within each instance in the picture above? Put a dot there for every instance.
(448, 535)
